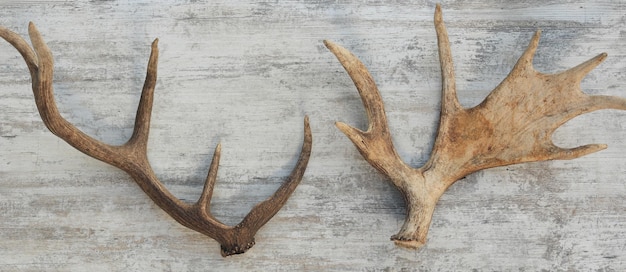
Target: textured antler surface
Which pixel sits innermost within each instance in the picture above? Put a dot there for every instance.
(132, 156)
(514, 124)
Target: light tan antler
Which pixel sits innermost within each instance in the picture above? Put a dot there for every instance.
(132, 156)
(514, 124)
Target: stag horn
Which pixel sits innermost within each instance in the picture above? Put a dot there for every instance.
(132, 158)
(514, 124)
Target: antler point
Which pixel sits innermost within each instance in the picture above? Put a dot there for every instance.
(577, 152)
(341, 125)
(218, 148)
(31, 28)
(329, 44)
(438, 13)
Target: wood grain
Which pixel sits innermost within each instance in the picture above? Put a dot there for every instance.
(244, 73)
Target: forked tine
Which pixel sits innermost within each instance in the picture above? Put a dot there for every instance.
(375, 144)
(364, 82)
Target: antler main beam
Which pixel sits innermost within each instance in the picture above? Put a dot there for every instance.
(514, 124)
(132, 156)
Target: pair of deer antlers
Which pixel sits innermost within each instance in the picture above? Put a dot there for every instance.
(514, 124)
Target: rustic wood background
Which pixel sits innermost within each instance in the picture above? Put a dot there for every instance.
(244, 73)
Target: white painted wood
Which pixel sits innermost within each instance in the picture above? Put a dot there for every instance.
(244, 73)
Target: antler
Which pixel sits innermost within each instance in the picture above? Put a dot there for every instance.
(514, 124)
(132, 156)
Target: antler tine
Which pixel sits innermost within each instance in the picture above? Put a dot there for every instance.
(264, 211)
(375, 144)
(132, 156)
(587, 104)
(450, 101)
(372, 101)
(40, 63)
(42, 84)
(525, 61)
(207, 192)
(144, 109)
(240, 238)
(580, 71)
(559, 153)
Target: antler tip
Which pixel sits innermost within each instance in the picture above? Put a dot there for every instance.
(534, 42)
(586, 150)
(341, 125)
(438, 13)
(306, 120)
(32, 28)
(599, 59)
(336, 49)
(218, 148)
(329, 44)
(307, 129)
(308, 136)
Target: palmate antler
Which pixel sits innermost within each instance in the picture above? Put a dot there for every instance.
(514, 124)
(132, 156)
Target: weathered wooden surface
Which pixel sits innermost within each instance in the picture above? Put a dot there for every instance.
(244, 74)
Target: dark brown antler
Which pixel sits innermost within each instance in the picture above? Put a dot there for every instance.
(132, 156)
(514, 124)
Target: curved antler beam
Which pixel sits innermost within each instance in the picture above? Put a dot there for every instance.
(132, 156)
(514, 124)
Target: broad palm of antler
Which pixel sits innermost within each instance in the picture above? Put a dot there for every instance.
(132, 156)
(514, 124)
